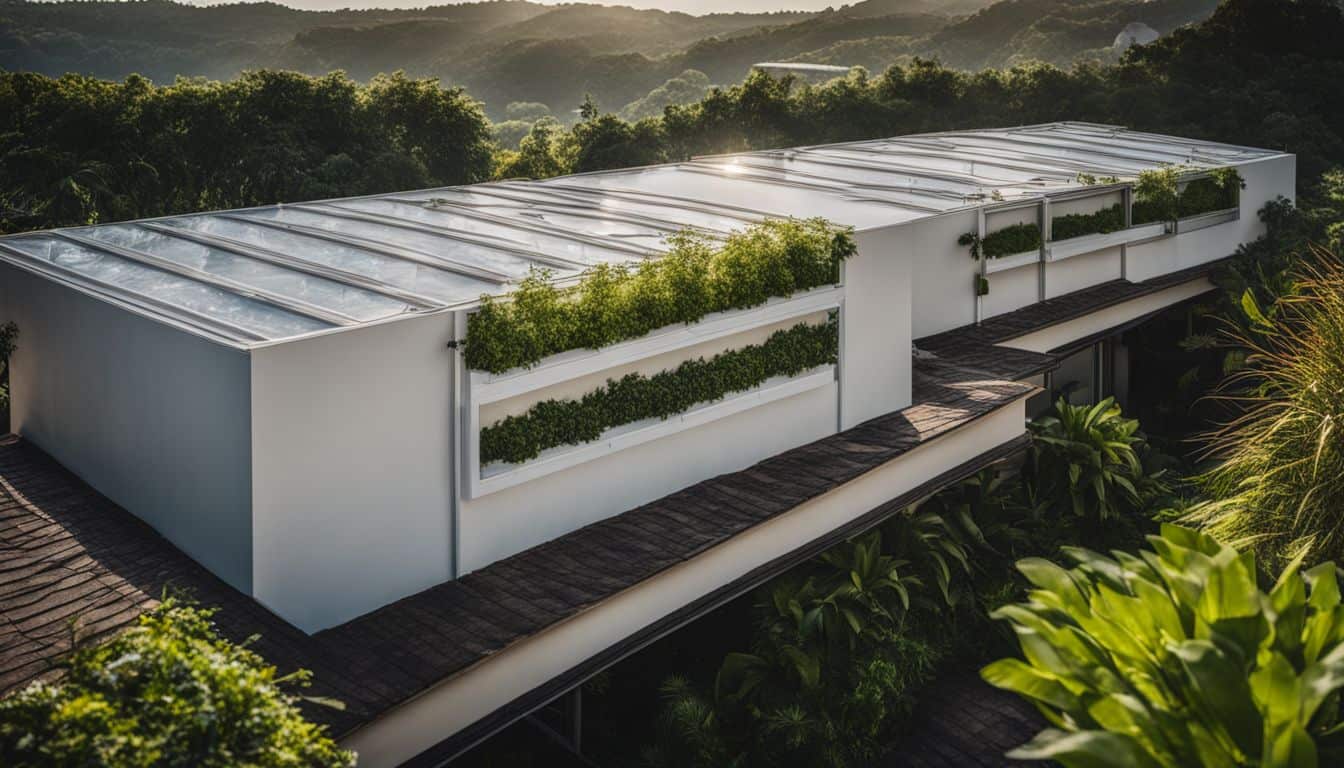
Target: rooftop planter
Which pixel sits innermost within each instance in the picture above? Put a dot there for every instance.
(1162, 196)
(695, 278)
(1002, 243)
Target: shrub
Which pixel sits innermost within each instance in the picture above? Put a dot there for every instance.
(168, 692)
(612, 303)
(1111, 219)
(635, 397)
(1015, 238)
(1176, 658)
(1158, 195)
(1087, 458)
(1281, 472)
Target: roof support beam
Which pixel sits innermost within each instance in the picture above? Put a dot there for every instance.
(279, 301)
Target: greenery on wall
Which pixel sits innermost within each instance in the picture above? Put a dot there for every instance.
(635, 397)
(1158, 195)
(1016, 238)
(1109, 219)
(169, 691)
(1178, 658)
(695, 278)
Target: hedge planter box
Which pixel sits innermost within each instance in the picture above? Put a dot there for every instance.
(553, 373)
(500, 475)
(1206, 220)
(1058, 250)
(1012, 261)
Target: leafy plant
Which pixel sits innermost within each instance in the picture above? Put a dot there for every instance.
(1087, 457)
(635, 397)
(612, 303)
(1159, 196)
(169, 691)
(1175, 658)
(1280, 474)
(1015, 238)
(1110, 219)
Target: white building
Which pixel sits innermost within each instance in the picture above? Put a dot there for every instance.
(277, 390)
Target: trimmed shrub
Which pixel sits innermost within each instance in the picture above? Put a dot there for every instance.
(1016, 238)
(635, 397)
(168, 692)
(1111, 219)
(614, 303)
(1177, 658)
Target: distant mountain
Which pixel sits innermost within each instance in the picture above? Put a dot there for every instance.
(516, 50)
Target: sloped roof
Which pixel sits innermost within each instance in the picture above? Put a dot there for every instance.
(258, 275)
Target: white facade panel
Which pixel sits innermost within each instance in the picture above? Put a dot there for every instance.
(153, 417)
(875, 330)
(352, 469)
(1083, 271)
(944, 272)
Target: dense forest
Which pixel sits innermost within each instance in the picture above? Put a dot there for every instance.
(499, 51)
(76, 149)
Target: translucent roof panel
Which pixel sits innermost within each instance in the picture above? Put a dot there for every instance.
(212, 306)
(354, 302)
(390, 267)
(278, 272)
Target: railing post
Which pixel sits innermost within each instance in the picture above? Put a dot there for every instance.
(984, 263)
(1044, 222)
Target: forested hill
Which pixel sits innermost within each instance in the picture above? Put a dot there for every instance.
(518, 51)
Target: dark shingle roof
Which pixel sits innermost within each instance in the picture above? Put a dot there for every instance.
(69, 553)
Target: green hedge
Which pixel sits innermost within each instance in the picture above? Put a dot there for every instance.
(635, 397)
(612, 303)
(1072, 225)
(1158, 197)
(1016, 238)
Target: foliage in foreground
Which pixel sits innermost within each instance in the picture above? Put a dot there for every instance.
(612, 303)
(168, 692)
(845, 642)
(1280, 474)
(1175, 658)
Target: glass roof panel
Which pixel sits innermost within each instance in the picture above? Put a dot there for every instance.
(525, 233)
(353, 301)
(501, 261)
(431, 282)
(263, 319)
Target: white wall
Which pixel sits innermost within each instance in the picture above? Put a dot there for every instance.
(942, 273)
(876, 326)
(153, 417)
(1082, 271)
(352, 469)
(1265, 179)
(513, 519)
(1012, 289)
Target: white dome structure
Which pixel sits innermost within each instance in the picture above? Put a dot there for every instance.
(1134, 33)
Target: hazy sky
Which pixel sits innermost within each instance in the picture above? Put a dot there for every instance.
(688, 6)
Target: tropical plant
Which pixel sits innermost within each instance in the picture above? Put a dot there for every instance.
(166, 692)
(1087, 458)
(1280, 471)
(1175, 658)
